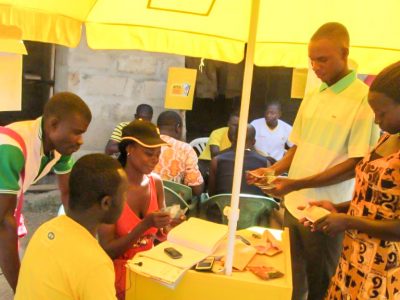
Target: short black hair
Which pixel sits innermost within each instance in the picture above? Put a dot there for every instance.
(144, 109)
(387, 82)
(93, 177)
(250, 133)
(169, 118)
(333, 31)
(234, 131)
(273, 103)
(65, 104)
(234, 114)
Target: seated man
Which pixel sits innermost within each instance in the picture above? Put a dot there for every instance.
(63, 260)
(217, 142)
(143, 111)
(222, 166)
(178, 161)
(272, 134)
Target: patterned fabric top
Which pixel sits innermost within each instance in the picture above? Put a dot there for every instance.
(178, 163)
(369, 268)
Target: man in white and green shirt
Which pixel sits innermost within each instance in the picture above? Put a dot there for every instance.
(333, 130)
(49, 141)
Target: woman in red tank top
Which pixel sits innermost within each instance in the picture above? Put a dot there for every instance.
(141, 219)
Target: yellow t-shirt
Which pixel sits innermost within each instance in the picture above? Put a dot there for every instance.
(219, 137)
(333, 124)
(64, 261)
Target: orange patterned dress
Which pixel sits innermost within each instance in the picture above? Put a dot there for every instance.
(369, 268)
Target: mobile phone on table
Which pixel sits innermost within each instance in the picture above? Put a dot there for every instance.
(206, 264)
(172, 252)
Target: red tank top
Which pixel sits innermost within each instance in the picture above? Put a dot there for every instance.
(128, 220)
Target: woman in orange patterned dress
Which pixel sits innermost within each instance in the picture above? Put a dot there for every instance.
(369, 266)
(141, 219)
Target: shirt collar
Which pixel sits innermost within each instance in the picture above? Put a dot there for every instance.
(40, 136)
(40, 131)
(341, 85)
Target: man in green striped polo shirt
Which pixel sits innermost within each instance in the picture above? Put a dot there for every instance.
(143, 111)
(49, 142)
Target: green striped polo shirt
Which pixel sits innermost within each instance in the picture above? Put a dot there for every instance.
(12, 160)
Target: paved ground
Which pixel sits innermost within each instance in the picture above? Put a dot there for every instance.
(38, 209)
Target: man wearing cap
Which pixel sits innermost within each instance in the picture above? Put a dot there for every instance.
(178, 160)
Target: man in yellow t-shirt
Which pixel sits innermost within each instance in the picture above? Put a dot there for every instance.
(217, 142)
(63, 260)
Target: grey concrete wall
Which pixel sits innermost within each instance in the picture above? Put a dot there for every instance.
(112, 83)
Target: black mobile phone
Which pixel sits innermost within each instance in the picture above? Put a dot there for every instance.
(172, 252)
(206, 264)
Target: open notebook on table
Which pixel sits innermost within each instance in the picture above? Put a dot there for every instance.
(195, 239)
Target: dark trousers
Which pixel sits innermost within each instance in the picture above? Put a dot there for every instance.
(204, 168)
(314, 259)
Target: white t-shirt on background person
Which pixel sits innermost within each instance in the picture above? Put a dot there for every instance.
(271, 142)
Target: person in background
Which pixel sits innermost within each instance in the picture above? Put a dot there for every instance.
(142, 218)
(29, 150)
(368, 266)
(222, 165)
(64, 261)
(178, 160)
(217, 142)
(272, 134)
(333, 130)
(143, 111)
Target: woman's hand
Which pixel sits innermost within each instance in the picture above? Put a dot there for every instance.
(158, 219)
(332, 224)
(177, 221)
(326, 204)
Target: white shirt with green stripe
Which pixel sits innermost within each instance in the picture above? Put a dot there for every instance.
(333, 124)
(37, 165)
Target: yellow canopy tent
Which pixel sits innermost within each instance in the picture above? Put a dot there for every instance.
(11, 40)
(276, 33)
(215, 29)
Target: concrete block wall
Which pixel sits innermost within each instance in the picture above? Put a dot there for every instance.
(112, 83)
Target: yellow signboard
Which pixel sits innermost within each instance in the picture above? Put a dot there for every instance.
(11, 50)
(10, 81)
(299, 80)
(180, 88)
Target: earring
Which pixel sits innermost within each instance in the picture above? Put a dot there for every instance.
(128, 153)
